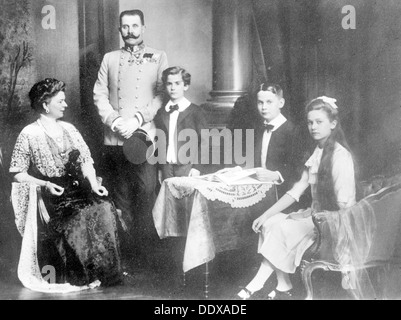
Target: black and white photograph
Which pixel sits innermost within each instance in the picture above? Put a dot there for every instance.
(217, 151)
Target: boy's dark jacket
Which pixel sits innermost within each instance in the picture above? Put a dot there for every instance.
(282, 154)
(287, 146)
(192, 117)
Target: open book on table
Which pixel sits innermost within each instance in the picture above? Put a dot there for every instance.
(234, 177)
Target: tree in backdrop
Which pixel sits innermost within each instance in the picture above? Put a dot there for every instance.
(16, 71)
(16, 76)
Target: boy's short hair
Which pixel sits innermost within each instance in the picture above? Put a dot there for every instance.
(272, 87)
(186, 77)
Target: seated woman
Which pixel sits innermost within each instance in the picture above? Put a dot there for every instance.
(283, 238)
(75, 236)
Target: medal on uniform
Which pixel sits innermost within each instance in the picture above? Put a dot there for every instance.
(134, 58)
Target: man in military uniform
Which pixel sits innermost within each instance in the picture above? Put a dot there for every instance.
(127, 94)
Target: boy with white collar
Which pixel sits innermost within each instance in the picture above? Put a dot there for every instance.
(177, 115)
(275, 139)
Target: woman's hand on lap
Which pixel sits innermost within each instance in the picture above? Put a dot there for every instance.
(54, 189)
(100, 191)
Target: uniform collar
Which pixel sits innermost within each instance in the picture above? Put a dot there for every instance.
(134, 49)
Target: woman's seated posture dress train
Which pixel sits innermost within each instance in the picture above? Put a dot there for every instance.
(67, 221)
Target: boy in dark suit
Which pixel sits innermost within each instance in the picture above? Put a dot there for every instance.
(176, 115)
(275, 140)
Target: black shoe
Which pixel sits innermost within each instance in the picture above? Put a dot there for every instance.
(281, 295)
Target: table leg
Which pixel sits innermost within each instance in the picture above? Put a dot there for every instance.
(206, 291)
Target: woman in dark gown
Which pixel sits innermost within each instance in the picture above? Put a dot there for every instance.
(71, 234)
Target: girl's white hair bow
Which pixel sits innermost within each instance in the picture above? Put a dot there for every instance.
(330, 101)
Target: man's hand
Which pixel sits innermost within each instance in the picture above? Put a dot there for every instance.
(126, 127)
(266, 175)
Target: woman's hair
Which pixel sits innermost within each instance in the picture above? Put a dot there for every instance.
(325, 184)
(44, 91)
(186, 77)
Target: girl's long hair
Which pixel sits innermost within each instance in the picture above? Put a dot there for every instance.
(325, 184)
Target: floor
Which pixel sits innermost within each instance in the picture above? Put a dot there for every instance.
(160, 278)
(157, 275)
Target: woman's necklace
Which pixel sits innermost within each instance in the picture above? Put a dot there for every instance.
(59, 146)
(59, 139)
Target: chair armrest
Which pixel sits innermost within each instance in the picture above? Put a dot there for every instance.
(324, 250)
(321, 248)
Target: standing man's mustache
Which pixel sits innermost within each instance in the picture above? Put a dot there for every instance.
(131, 36)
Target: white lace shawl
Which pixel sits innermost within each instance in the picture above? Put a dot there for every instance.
(32, 149)
(24, 198)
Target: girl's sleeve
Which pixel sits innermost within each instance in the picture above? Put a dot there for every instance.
(20, 159)
(344, 178)
(299, 187)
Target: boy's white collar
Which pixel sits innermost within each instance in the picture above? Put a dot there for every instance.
(277, 121)
(183, 103)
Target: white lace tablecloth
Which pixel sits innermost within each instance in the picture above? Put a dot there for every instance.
(186, 207)
(238, 196)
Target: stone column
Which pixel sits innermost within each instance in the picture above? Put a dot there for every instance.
(232, 56)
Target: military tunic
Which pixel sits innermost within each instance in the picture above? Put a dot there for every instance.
(129, 82)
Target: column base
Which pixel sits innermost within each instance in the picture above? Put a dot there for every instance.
(220, 106)
(226, 98)
(218, 113)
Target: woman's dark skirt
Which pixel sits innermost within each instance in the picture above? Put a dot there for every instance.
(80, 241)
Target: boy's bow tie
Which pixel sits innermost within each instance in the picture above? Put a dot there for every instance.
(173, 108)
(268, 127)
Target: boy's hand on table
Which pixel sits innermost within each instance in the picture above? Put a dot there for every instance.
(266, 175)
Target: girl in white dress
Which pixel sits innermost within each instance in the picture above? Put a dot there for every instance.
(283, 238)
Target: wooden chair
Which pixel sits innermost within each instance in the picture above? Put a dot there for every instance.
(384, 197)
